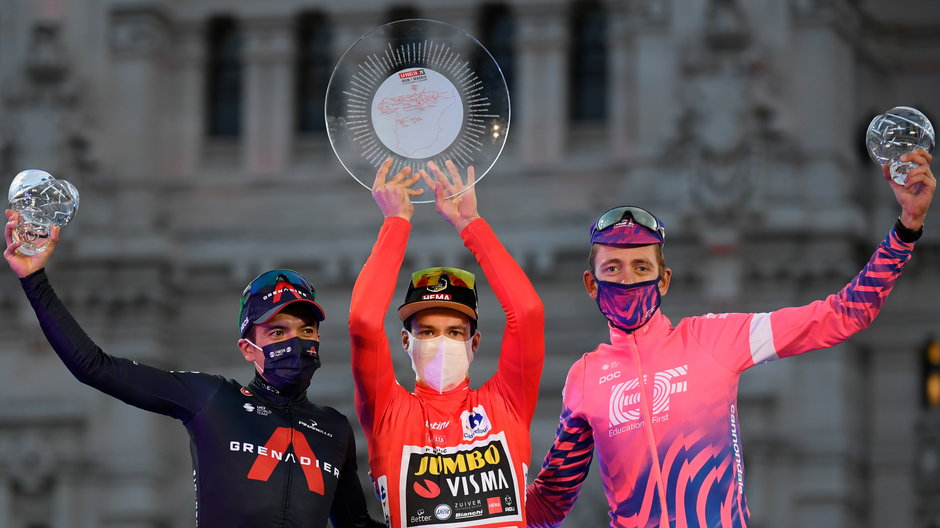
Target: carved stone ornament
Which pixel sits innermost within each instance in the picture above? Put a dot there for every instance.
(45, 126)
(728, 115)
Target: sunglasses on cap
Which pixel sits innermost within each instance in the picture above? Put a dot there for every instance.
(272, 278)
(638, 214)
(432, 276)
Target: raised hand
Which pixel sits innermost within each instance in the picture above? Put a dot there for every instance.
(915, 196)
(461, 207)
(394, 196)
(21, 264)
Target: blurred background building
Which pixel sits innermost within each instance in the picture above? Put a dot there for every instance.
(194, 131)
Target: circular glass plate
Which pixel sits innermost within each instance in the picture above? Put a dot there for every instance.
(417, 90)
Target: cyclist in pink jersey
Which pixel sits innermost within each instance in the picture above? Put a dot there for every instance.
(659, 402)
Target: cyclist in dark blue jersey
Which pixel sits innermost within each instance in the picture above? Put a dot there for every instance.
(263, 454)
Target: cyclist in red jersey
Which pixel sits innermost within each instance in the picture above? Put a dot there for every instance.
(445, 454)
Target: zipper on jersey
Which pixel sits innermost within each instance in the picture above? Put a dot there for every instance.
(290, 469)
(656, 467)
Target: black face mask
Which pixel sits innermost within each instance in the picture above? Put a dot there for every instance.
(289, 365)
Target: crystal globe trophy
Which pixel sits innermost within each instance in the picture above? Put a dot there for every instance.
(41, 201)
(894, 133)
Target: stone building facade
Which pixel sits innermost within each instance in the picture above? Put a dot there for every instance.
(191, 130)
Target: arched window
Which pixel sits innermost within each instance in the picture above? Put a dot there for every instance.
(224, 79)
(314, 67)
(497, 30)
(588, 62)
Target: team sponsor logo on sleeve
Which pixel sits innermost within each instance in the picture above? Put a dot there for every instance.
(468, 485)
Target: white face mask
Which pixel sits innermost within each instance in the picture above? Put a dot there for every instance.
(440, 362)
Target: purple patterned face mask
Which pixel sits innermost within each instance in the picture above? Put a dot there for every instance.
(628, 306)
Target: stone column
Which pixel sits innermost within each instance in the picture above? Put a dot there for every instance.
(928, 468)
(892, 412)
(137, 90)
(655, 71)
(137, 40)
(825, 96)
(824, 408)
(6, 501)
(269, 94)
(189, 89)
(621, 92)
(542, 44)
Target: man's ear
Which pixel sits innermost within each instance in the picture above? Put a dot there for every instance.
(590, 284)
(475, 341)
(664, 281)
(247, 349)
(404, 339)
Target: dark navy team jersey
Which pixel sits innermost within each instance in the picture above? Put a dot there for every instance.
(260, 458)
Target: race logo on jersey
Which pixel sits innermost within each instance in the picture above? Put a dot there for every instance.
(286, 445)
(475, 423)
(625, 396)
(468, 485)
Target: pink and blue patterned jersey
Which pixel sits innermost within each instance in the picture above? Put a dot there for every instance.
(659, 406)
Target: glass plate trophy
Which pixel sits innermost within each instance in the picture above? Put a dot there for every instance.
(41, 201)
(897, 132)
(416, 90)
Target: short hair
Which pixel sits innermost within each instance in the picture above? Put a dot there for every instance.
(660, 258)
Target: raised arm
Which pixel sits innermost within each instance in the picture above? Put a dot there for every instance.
(827, 322)
(523, 343)
(373, 370)
(171, 393)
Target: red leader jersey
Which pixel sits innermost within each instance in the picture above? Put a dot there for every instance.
(460, 458)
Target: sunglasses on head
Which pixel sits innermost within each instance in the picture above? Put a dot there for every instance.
(638, 214)
(432, 277)
(272, 278)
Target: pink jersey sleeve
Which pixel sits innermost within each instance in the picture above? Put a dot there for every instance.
(820, 324)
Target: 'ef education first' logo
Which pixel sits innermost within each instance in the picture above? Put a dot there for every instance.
(625, 397)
